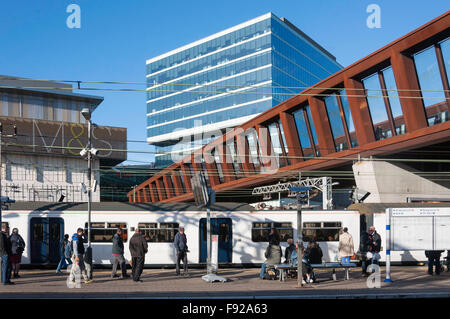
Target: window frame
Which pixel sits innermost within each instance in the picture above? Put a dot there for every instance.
(156, 231)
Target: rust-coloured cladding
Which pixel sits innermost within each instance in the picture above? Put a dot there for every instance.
(418, 134)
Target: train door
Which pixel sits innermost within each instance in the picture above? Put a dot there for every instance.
(223, 228)
(46, 235)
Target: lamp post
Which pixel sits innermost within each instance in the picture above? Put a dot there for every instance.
(89, 152)
(1, 165)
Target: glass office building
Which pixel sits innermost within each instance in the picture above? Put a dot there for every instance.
(198, 91)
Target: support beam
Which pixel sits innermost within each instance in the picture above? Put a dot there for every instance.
(322, 125)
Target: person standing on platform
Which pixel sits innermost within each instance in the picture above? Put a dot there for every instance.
(138, 248)
(180, 243)
(78, 257)
(434, 258)
(5, 252)
(66, 254)
(374, 246)
(117, 252)
(17, 248)
(346, 247)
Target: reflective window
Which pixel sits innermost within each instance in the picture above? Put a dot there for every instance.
(431, 85)
(377, 107)
(348, 117)
(261, 231)
(283, 138)
(218, 162)
(253, 148)
(302, 130)
(337, 128)
(445, 49)
(276, 144)
(165, 233)
(104, 232)
(321, 231)
(231, 147)
(394, 101)
(313, 129)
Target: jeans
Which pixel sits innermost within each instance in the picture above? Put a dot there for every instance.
(182, 255)
(263, 270)
(63, 263)
(345, 260)
(78, 267)
(437, 264)
(119, 259)
(6, 269)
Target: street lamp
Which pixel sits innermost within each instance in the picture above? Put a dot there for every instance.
(4, 199)
(88, 152)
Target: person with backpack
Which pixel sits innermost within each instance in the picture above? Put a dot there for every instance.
(66, 254)
(78, 256)
(17, 248)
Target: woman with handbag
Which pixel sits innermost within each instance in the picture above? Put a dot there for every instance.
(17, 248)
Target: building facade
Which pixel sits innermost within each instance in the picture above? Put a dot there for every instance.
(198, 91)
(42, 161)
(382, 124)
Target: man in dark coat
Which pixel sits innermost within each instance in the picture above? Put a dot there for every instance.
(138, 249)
(117, 252)
(5, 253)
(363, 249)
(180, 243)
(434, 258)
(17, 248)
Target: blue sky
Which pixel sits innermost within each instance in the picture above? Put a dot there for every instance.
(116, 38)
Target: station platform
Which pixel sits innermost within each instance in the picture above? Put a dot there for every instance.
(408, 282)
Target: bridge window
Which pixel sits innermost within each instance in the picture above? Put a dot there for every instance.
(231, 146)
(261, 231)
(253, 146)
(277, 145)
(218, 161)
(430, 73)
(286, 149)
(348, 120)
(393, 101)
(183, 185)
(313, 130)
(336, 122)
(165, 233)
(104, 232)
(303, 133)
(321, 231)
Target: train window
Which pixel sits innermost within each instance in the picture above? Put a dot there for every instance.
(104, 232)
(261, 231)
(38, 232)
(165, 233)
(321, 231)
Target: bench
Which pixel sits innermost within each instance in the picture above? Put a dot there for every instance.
(283, 268)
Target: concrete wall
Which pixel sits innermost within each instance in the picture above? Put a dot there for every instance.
(45, 178)
(388, 183)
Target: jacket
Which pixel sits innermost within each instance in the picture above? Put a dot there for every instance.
(64, 243)
(17, 244)
(346, 247)
(138, 245)
(273, 255)
(5, 245)
(117, 248)
(78, 245)
(180, 242)
(288, 252)
(433, 253)
(314, 254)
(375, 238)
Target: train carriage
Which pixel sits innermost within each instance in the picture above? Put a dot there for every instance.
(242, 230)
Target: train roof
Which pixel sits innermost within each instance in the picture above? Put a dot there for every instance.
(374, 208)
(124, 206)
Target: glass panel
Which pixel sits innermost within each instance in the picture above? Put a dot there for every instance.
(337, 128)
(445, 48)
(260, 231)
(302, 130)
(38, 232)
(376, 106)
(394, 101)
(286, 150)
(164, 234)
(217, 160)
(431, 85)
(253, 151)
(348, 118)
(276, 144)
(313, 129)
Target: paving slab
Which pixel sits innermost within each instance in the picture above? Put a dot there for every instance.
(408, 282)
